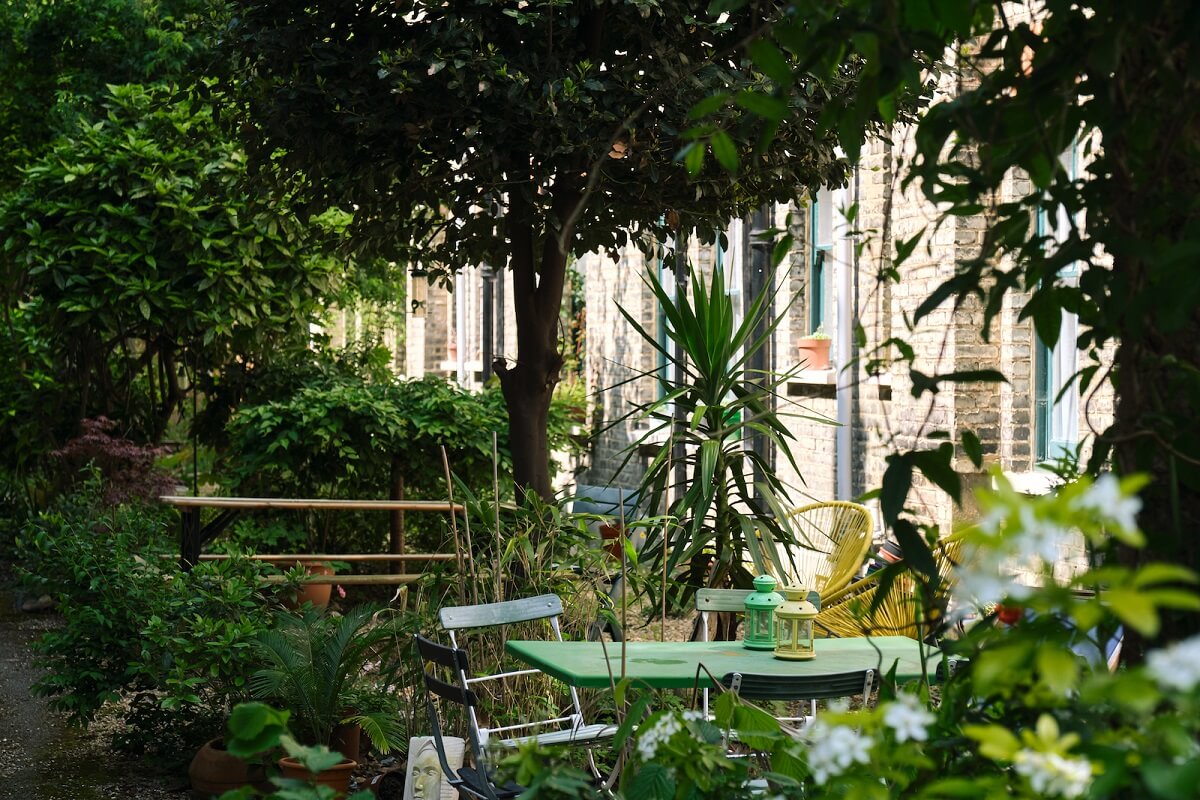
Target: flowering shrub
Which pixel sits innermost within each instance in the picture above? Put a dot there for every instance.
(1031, 712)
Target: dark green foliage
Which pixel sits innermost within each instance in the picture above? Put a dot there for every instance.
(178, 645)
(57, 58)
(472, 133)
(325, 669)
(135, 256)
(256, 729)
(343, 433)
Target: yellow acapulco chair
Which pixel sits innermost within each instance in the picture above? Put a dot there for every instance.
(832, 540)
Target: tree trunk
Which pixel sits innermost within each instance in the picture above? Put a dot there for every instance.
(1156, 429)
(528, 386)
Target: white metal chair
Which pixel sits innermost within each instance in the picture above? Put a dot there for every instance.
(567, 728)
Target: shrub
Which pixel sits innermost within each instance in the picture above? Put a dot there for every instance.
(177, 646)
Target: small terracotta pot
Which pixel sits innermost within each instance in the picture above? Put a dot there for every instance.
(336, 777)
(316, 593)
(814, 353)
(347, 740)
(214, 771)
(614, 541)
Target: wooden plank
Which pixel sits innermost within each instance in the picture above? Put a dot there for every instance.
(348, 557)
(384, 579)
(297, 503)
(454, 618)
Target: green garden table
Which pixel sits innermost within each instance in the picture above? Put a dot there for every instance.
(674, 665)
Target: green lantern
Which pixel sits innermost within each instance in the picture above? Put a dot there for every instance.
(796, 616)
(760, 614)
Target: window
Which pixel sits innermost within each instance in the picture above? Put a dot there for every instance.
(820, 230)
(1056, 394)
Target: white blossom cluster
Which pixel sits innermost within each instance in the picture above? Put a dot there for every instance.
(908, 718)
(1053, 775)
(1105, 499)
(1022, 535)
(1177, 666)
(662, 730)
(835, 748)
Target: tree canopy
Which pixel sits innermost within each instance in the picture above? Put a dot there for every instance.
(1117, 81)
(133, 251)
(465, 133)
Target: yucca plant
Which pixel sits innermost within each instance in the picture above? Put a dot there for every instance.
(316, 666)
(721, 519)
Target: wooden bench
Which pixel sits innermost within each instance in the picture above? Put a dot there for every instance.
(370, 579)
(193, 535)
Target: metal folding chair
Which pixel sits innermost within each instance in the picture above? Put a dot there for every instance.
(472, 782)
(800, 687)
(714, 601)
(567, 728)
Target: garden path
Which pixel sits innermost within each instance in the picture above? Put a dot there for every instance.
(41, 756)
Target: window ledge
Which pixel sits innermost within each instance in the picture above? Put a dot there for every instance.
(817, 377)
(1034, 482)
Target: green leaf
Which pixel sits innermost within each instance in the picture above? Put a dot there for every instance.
(768, 58)
(1134, 608)
(708, 105)
(652, 782)
(725, 151)
(1058, 668)
(764, 105)
(995, 741)
(897, 480)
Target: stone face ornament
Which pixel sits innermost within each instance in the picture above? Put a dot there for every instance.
(425, 778)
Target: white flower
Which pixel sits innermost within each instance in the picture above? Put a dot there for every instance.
(1050, 774)
(1038, 537)
(1177, 666)
(1105, 498)
(691, 715)
(648, 742)
(908, 718)
(980, 581)
(834, 749)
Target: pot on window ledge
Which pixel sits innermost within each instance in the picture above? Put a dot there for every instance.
(813, 351)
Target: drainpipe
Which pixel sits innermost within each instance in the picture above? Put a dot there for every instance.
(843, 269)
(487, 324)
(460, 325)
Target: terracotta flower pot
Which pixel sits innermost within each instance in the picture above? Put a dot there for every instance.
(814, 353)
(347, 740)
(214, 771)
(612, 539)
(316, 593)
(336, 777)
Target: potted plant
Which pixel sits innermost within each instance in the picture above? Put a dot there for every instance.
(813, 350)
(316, 666)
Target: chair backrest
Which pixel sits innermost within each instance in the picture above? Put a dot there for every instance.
(437, 658)
(800, 687)
(548, 607)
(833, 539)
(711, 601)
(509, 612)
(605, 501)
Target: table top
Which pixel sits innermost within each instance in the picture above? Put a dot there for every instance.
(673, 665)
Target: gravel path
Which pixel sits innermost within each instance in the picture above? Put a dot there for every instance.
(43, 758)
